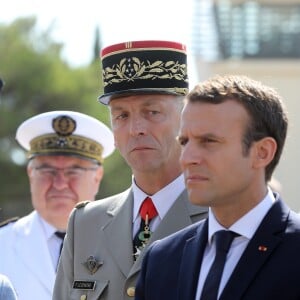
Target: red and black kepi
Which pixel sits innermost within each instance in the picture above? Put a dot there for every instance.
(144, 67)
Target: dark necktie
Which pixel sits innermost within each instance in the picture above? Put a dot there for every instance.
(223, 240)
(147, 213)
(60, 235)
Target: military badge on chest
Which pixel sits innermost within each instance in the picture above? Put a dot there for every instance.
(92, 264)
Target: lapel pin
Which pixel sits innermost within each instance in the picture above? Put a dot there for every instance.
(92, 264)
(262, 248)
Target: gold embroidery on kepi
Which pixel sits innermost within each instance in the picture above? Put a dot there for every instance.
(133, 68)
(64, 142)
(64, 125)
(67, 133)
(144, 67)
(76, 145)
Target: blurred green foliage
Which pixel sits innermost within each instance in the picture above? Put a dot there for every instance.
(38, 80)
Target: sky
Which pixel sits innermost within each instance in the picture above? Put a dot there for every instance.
(73, 22)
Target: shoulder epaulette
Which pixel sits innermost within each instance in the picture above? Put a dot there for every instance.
(82, 204)
(10, 220)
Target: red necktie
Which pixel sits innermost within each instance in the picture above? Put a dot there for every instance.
(147, 213)
(148, 208)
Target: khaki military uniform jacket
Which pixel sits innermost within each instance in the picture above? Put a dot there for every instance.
(97, 258)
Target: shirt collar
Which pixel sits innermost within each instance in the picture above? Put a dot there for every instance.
(48, 229)
(162, 200)
(246, 225)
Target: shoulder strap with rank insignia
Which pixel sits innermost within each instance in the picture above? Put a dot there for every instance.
(82, 204)
(10, 220)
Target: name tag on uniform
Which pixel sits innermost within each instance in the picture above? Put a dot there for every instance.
(84, 285)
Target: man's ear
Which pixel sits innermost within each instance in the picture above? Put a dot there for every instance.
(29, 169)
(264, 152)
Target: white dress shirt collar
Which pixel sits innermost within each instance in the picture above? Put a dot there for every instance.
(246, 225)
(162, 200)
(48, 229)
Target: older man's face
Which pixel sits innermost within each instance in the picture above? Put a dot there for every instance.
(58, 183)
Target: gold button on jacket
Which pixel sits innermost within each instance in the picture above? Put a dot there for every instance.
(131, 291)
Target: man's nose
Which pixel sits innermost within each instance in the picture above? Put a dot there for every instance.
(60, 180)
(138, 126)
(190, 154)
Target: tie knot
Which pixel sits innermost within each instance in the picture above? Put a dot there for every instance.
(60, 234)
(224, 239)
(148, 208)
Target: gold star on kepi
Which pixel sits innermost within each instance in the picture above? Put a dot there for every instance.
(144, 67)
(66, 133)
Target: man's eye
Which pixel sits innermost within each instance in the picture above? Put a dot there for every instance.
(154, 112)
(121, 116)
(182, 142)
(208, 140)
(72, 171)
(47, 171)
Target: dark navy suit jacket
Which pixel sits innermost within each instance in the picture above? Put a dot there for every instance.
(171, 266)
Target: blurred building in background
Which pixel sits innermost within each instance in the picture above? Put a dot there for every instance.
(260, 39)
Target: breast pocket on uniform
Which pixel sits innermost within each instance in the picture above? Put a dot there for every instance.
(88, 290)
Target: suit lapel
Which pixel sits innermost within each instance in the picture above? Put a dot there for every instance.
(31, 247)
(176, 218)
(260, 248)
(120, 230)
(191, 261)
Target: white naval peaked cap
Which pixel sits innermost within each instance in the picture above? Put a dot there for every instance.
(66, 133)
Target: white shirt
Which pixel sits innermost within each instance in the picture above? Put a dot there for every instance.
(162, 201)
(245, 227)
(53, 242)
